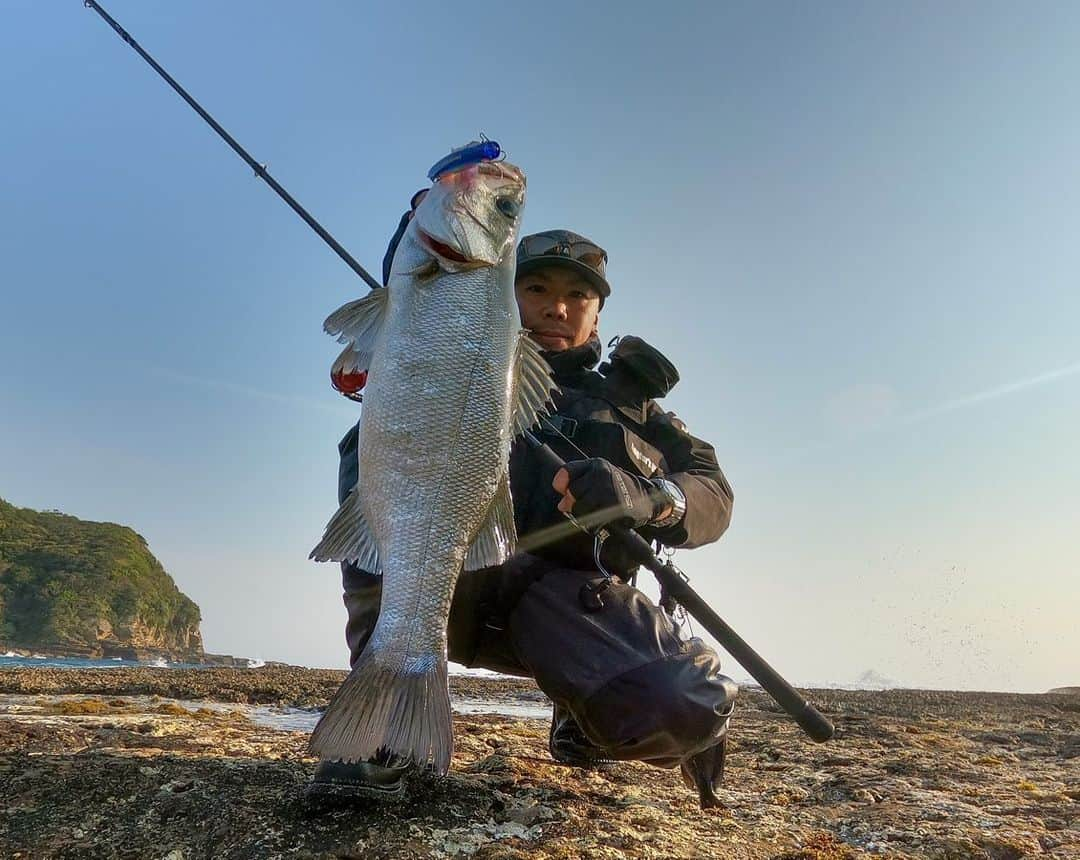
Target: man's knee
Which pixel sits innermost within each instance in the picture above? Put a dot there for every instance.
(664, 710)
(636, 688)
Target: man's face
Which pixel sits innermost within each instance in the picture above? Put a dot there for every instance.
(558, 306)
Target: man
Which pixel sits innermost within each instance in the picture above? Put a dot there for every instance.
(624, 684)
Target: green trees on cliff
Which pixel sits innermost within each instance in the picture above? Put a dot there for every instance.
(66, 581)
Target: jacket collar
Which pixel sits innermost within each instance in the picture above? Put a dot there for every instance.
(568, 365)
(572, 368)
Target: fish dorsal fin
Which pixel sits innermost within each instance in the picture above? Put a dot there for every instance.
(497, 537)
(357, 324)
(532, 385)
(348, 537)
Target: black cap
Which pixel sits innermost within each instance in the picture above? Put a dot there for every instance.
(569, 250)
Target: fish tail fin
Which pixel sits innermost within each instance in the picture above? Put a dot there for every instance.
(390, 703)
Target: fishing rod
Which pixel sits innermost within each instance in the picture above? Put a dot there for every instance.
(260, 169)
(674, 582)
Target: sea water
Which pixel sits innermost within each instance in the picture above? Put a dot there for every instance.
(42, 661)
(302, 720)
(272, 716)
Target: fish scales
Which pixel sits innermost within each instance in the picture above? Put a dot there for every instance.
(439, 451)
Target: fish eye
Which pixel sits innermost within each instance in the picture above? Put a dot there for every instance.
(508, 206)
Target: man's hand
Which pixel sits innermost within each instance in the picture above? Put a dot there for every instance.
(600, 492)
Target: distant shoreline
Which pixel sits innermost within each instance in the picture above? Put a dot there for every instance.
(273, 684)
(111, 651)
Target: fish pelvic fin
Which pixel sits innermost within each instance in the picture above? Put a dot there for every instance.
(497, 537)
(357, 325)
(533, 385)
(348, 537)
(390, 703)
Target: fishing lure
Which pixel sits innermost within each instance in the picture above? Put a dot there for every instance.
(473, 152)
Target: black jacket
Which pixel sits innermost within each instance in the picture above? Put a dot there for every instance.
(610, 415)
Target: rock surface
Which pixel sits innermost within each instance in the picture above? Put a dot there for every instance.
(114, 772)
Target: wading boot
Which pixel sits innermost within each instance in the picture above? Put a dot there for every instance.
(704, 771)
(568, 744)
(382, 777)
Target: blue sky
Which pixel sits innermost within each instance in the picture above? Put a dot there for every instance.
(852, 227)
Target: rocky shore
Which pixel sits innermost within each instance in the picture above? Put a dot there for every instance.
(138, 763)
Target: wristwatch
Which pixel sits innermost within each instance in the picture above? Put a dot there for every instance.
(677, 500)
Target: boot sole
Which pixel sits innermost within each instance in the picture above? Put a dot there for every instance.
(347, 791)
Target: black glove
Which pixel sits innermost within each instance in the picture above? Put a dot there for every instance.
(604, 493)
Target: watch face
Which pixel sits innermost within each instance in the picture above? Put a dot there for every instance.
(678, 502)
(673, 490)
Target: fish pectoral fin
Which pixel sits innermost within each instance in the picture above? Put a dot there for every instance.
(533, 385)
(497, 538)
(348, 538)
(357, 324)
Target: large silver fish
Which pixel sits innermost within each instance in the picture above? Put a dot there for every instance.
(452, 379)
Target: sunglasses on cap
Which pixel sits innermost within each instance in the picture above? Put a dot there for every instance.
(581, 250)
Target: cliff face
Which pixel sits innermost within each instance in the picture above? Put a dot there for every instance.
(73, 586)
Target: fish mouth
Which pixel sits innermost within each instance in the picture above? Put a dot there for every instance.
(441, 249)
(503, 170)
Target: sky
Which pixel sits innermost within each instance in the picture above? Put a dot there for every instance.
(851, 226)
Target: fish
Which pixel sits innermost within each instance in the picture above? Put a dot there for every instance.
(452, 379)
